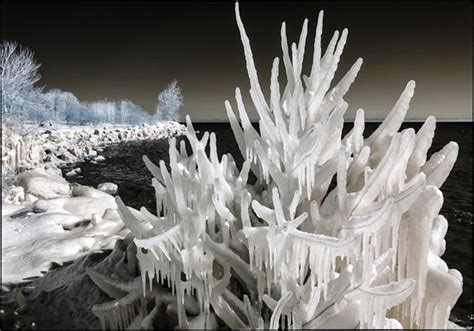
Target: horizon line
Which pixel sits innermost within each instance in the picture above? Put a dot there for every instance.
(454, 120)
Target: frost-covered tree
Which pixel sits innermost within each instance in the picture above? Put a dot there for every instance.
(170, 101)
(130, 113)
(19, 97)
(61, 105)
(69, 108)
(19, 73)
(101, 112)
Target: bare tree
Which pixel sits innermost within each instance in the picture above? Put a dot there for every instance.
(19, 73)
(170, 101)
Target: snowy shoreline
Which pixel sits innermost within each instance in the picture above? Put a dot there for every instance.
(50, 147)
(45, 219)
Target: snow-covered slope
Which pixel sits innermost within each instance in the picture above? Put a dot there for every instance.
(45, 219)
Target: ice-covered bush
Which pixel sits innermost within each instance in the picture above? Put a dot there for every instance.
(286, 251)
(169, 102)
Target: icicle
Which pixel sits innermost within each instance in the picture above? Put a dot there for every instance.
(440, 164)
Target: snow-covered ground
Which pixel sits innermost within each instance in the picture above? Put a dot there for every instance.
(46, 220)
(48, 147)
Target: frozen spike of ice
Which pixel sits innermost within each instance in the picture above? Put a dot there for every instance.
(275, 105)
(329, 242)
(302, 45)
(226, 313)
(358, 135)
(236, 129)
(277, 312)
(294, 204)
(240, 267)
(424, 138)
(381, 298)
(375, 182)
(398, 291)
(356, 169)
(265, 213)
(328, 55)
(105, 284)
(437, 242)
(395, 118)
(371, 223)
(338, 92)
(131, 221)
(286, 58)
(250, 133)
(155, 171)
(222, 210)
(163, 241)
(440, 164)
(252, 71)
(316, 67)
(342, 183)
(403, 200)
(280, 217)
(119, 313)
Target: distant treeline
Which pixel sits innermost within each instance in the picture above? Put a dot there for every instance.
(63, 107)
(21, 98)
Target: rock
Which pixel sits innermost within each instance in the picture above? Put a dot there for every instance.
(109, 188)
(29, 198)
(41, 185)
(68, 157)
(99, 158)
(71, 173)
(96, 219)
(16, 195)
(86, 191)
(42, 206)
(84, 206)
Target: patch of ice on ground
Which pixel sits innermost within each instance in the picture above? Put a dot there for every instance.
(44, 301)
(61, 226)
(110, 188)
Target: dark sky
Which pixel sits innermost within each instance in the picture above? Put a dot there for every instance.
(133, 49)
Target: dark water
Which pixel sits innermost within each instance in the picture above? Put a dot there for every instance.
(124, 166)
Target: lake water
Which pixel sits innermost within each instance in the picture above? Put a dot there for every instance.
(124, 166)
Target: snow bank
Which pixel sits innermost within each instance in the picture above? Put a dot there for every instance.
(46, 220)
(63, 223)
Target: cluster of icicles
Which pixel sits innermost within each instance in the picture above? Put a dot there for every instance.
(287, 251)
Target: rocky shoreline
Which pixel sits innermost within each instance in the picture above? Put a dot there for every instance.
(52, 230)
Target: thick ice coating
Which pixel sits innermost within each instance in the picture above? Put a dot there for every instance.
(285, 251)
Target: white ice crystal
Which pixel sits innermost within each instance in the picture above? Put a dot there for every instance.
(364, 254)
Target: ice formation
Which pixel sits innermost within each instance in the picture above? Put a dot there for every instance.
(47, 221)
(57, 224)
(63, 144)
(288, 251)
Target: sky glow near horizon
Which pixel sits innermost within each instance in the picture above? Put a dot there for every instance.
(133, 50)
